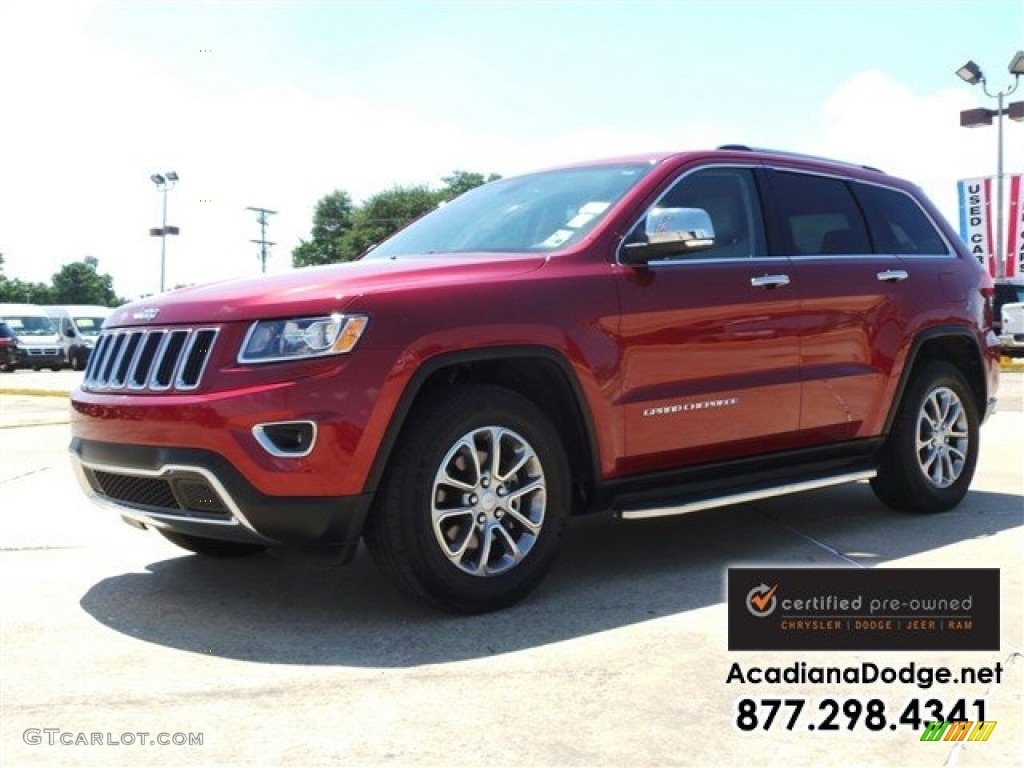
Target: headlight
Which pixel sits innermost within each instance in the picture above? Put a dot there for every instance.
(299, 338)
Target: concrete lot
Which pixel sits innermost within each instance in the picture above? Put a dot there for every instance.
(619, 659)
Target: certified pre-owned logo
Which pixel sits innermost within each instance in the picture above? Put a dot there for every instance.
(761, 600)
(148, 313)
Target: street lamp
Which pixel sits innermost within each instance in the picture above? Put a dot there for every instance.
(971, 74)
(164, 182)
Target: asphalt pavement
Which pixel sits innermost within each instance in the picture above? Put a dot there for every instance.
(620, 658)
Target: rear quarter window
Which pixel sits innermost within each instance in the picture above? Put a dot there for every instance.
(899, 224)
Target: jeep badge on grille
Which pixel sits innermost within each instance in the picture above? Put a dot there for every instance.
(149, 313)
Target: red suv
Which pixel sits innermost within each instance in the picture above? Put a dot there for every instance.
(647, 335)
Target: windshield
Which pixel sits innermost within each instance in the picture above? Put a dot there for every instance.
(540, 212)
(31, 326)
(89, 326)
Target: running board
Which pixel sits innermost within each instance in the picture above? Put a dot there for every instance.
(741, 498)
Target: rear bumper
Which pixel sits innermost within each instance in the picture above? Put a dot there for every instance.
(1011, 340)
(199, 493)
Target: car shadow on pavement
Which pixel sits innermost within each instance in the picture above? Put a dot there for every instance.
(609, 574)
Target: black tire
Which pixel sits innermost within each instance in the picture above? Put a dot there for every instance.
(496, 568)
(212, 547)
(78, 360)
(934, 477)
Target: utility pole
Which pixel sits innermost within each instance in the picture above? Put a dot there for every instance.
(262, 215)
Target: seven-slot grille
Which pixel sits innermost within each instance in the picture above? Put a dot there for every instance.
(154, 359)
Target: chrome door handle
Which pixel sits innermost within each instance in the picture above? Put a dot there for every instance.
(769, 281)
(893, 275)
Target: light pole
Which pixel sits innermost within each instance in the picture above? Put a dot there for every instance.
(971, 74)
(165, 183)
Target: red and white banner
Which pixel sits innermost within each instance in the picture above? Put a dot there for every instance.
(977, 219)
(1015, 227)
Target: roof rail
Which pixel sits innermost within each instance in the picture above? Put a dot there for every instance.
(798, 155)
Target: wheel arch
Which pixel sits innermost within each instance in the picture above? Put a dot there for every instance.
(538, 373)
(953, 344)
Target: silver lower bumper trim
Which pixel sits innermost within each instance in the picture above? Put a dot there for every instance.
(150, 516)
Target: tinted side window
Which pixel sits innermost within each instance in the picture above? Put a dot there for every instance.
(898, 223)
(729, 195)
(818, 215)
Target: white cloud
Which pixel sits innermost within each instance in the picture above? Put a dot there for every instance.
(879, 121)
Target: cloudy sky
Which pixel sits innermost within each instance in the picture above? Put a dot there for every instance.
(276, 104)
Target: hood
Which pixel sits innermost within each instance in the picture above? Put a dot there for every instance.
(317, 290)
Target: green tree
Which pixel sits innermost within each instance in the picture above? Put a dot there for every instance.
(463, 181)
(343, 232)
(16, 291)
(332, 220)
(387, 212)
(81, 283)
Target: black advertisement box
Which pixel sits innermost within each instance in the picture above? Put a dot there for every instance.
(854, 609)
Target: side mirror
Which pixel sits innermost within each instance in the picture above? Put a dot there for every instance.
(671, 232)
(70, 333)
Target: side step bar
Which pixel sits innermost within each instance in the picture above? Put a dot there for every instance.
(641, 513)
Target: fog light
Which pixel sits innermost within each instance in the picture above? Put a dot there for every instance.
(286, 439)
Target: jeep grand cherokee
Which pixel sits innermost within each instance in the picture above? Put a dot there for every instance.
(649, 335)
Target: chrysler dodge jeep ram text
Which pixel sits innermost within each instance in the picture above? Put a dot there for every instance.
(647, 335)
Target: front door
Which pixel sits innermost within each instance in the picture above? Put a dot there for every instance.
(710, 342)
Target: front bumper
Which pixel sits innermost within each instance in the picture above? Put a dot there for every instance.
(199, 493)
(34, 357)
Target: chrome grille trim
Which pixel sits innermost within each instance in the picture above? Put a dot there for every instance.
(150, 359)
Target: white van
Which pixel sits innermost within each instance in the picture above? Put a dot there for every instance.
(38, 345)
(79, 327)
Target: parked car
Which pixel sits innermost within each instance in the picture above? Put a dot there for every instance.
(1011, 335)
(38, 345)
(648, 335)
(8, 348)
(1009, 315)
(79, 327)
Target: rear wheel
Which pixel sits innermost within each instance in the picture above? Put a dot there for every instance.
(212, 547)
(471, 509)
(929, 459)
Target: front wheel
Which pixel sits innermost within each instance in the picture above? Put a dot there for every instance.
(472, 506)
(928, 461)
(212, 547)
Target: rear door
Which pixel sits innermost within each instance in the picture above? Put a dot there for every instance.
(852, 304)
(709, 345)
